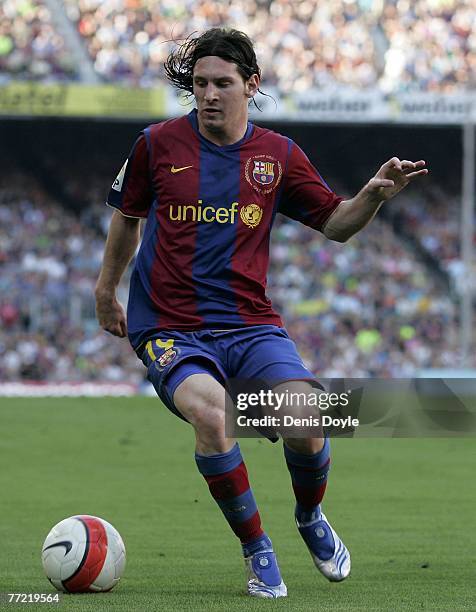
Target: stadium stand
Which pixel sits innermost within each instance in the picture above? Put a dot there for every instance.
(30, 46)
(431, 45)
(384, 304)
(366, 308)
(434, 222)
(49, 260)
(427, 45)
(128, 41)
(395, 45)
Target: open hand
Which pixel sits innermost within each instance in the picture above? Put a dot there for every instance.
(393, 176)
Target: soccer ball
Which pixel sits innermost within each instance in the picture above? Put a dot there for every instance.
(83, 554)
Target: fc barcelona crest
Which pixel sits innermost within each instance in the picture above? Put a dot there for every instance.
(167, 357)
(263, 173)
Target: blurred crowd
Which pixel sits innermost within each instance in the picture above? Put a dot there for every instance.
(49, 260)
(299, 44)
(30, 45)
(397, 45)
(433, 218)
(368, 307)
(431, 45)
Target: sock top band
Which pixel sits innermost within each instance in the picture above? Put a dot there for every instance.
(212, 465)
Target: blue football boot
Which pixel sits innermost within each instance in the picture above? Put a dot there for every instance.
(328, 552)
(264, 577)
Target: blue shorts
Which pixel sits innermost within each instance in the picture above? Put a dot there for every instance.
(258, 352)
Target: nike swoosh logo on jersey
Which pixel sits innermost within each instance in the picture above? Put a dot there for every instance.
(66, 543)
(174, 170)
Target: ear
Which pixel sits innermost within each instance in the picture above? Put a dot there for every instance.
(252, 86)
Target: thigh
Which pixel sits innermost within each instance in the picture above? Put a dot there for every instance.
(265, 358)
(198, 396)
(301, 426)
(201, 399)
(173, 358)
(268, 354)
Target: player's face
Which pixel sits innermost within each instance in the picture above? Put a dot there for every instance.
(222, 97)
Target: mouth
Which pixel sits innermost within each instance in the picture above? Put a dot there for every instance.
(211, 112)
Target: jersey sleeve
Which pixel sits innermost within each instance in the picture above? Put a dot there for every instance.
(131, 193)
(306, 196)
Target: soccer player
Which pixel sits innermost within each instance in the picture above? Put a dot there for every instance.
(210, 184)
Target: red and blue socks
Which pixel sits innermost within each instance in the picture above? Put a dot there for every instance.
(227, 479)
(309, 480)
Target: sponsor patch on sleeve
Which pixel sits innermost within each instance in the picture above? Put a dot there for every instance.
(117, 185)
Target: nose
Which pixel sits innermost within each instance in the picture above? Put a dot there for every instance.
(211, 92)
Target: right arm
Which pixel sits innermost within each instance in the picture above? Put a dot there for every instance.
(352, 215)
(121, 244)
(306, 196)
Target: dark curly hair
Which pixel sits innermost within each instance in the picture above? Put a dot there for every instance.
(228, 44)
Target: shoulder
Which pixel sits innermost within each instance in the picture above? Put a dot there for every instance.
(278, 140)
(267, 143)
(167, 133)
(269, 136)
(168, 127)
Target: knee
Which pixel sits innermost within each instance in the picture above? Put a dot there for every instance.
(306, 446)
(201, 400)
(209, 427)
(210, 422)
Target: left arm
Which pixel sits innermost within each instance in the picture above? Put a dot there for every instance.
(352, 215)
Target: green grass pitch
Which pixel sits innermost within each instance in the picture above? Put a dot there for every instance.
(405, 508)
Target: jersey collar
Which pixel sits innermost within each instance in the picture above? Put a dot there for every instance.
(193, 118)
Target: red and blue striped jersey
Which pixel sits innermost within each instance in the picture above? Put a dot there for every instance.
(204, 254)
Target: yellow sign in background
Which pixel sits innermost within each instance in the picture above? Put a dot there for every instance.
(71, 100)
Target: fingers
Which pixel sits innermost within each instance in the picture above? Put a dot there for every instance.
(393, 164)
(111, 316)
(413, 175)
(376, 183)
(114, 330)
(405, 164)
(118, 329)
(410, 170)
(123, 329)
(408, 166)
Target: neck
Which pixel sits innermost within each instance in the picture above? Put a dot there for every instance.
(223, 138)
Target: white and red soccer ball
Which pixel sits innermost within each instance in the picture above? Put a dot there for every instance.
(83, 554)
